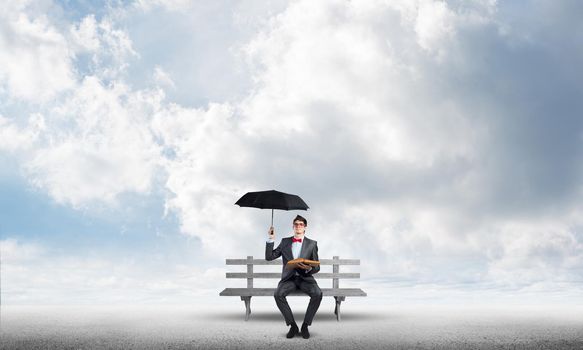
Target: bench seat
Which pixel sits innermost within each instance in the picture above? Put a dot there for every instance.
(327, 292)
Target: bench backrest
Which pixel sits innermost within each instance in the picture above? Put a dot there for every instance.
(250, 275)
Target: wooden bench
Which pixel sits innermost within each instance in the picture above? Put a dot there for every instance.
(338, 293)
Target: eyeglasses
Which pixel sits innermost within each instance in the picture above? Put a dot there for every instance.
(299, 224)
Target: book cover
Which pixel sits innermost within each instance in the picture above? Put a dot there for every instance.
(292, 264)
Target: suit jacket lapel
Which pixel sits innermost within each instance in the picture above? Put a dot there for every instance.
(304, 247)
(289, 249)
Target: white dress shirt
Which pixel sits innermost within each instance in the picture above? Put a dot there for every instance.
(297, 248)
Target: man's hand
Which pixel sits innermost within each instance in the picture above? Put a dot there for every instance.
(304, 266)
(271, 233)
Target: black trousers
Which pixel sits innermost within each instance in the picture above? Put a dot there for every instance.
(309, 287)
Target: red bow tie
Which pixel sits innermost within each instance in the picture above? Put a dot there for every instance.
(296, 240)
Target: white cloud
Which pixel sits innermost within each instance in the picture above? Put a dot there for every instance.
(90, 139)
(173, 5)
(114, 60)
(336, 69)
(35, 59)
(85, 34)
(14, 138)
(433, 24)
(109, 47)
(205, 172)
(161, 77)
(13, 251)
(98, 145)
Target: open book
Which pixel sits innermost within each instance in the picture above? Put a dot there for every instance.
(292, 264)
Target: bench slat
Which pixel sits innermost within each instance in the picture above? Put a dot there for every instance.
(348, 292)
(278, 262)
(318, 275)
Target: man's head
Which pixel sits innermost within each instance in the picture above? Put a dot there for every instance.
(300, 223)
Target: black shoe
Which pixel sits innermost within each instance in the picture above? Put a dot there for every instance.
(305, 333)
(293, 330)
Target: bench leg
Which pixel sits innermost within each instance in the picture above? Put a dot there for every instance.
(247, 301)
(337, 308)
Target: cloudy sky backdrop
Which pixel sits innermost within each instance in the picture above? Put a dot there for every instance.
(439, 142)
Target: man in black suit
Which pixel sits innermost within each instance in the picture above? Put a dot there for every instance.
(301, 278)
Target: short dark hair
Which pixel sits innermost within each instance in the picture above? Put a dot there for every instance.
(301, 218)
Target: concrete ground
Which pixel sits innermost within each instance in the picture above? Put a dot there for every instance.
(222, 326)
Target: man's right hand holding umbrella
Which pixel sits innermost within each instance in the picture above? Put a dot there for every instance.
(271, 233)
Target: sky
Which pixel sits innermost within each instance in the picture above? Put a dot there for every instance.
(440, 142)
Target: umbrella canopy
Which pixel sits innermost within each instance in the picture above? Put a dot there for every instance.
(272, 200)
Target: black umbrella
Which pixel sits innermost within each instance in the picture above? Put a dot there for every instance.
(272, 200)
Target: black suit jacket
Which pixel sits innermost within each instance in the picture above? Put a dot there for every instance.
(309, 251)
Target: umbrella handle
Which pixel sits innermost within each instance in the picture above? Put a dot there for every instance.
(271, 217)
